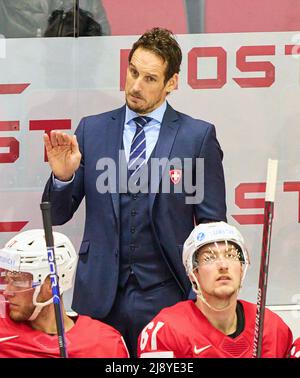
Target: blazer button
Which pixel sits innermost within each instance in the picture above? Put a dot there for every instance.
(133, 213)
(132, 247)
(132, 230)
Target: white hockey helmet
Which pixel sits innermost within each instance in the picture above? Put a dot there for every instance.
(207, 233)
(26, 252)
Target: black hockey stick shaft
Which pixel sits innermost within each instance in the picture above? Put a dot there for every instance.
(47, 222)
(265, 258)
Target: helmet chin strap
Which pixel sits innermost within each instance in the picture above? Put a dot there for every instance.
(199, 294)
(38, 305)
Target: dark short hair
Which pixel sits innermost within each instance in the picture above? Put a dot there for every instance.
(161, 42)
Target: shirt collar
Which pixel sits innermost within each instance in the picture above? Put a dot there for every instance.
(156, 114)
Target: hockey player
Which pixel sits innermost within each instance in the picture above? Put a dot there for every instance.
(217, 324)
(27, 317)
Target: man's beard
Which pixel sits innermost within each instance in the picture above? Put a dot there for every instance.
(137, 108)
(20, 317)
(141, 109)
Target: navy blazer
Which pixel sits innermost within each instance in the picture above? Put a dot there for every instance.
(172, 220)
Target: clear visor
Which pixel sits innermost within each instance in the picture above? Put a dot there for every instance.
(11, 282)
(218, 251)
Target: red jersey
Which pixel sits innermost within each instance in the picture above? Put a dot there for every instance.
(87, 338)
(182, 331)
(295, 351)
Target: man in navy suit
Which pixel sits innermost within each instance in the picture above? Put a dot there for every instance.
(130, 264)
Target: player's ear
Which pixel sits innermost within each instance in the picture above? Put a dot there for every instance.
(193, 282)
(172, 83)
(47, 285)
(45, 291)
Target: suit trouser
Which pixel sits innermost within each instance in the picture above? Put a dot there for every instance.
(134, 308)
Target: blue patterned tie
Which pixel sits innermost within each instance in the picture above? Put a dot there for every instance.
(137, 157)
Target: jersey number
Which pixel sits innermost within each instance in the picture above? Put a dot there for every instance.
(145, 335)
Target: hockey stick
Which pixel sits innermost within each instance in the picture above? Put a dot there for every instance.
(265, 256)
(47, 222)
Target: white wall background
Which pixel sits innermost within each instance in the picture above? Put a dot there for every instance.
(71, 78)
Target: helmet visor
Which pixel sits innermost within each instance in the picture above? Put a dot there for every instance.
(12, 282)
(214, 252)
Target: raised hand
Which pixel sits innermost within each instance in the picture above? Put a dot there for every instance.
(63, 154)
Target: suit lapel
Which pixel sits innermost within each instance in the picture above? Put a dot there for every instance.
(114, 138)
(167, 135)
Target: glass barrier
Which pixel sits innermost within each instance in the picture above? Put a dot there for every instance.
(52, 18)
(82, 18)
